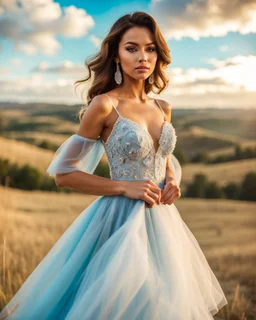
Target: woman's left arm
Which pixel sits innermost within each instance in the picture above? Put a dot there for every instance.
(171, 190)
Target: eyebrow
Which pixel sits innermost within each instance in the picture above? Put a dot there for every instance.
(131, 42)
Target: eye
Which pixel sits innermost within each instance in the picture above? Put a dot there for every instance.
(131, 48)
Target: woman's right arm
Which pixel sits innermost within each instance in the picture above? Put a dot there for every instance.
(91, 126)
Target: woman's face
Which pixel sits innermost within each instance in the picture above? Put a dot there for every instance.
(136, 48)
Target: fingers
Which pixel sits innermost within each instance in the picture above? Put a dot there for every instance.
(171, 199)
(150, 201)
(152, 193)
(171, 196)
(157, 190)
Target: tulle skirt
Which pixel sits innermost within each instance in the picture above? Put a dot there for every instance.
(120, 260)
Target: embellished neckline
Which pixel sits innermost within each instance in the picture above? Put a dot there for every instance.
(140, 127)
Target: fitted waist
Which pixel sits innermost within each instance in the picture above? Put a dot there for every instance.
(160, 184)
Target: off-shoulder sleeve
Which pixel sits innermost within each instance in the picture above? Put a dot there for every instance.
(176, 167)
(76, 153)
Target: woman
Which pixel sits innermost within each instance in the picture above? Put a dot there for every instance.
(129, 255)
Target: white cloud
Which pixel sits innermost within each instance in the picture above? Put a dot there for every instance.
(33, 25)
(4, 70)
(96, 41)
(226, 83)
(15, 62)
(67, 67)
(224, 48)
(27, 48)
(37, 88)
(230, 75)
(43, 66)
(204, 18)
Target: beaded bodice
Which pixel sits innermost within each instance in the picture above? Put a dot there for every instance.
(131, 153)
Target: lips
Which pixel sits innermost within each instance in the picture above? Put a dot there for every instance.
(142, 68)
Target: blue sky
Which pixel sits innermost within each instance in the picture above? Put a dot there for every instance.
(44, 43)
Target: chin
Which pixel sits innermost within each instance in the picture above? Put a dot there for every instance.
(144, 77)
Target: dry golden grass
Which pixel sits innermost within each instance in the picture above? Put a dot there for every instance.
(31, 222)
(222, 173)
(195, 131)
(195, 139)
(12, 113)
(39, 136)
(230, 150)
(23, 153)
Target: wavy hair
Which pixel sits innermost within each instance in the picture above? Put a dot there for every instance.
(103, 63)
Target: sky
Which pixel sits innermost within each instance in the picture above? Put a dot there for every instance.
(44, 45)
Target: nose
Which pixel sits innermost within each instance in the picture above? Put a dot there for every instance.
(143, 57)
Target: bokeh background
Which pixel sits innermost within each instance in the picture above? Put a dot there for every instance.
(212, 90)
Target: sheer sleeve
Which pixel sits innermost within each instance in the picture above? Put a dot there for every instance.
(176, 167)
(76, 153)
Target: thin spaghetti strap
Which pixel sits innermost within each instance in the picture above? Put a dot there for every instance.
(161, 109)
(112, 104)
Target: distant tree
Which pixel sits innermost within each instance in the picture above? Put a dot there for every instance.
(102, 170)
(238, 151)
(221, 158)
(47, 145)
(232, 191)
(4, 167)
(198, 186)
(213, 191)
(1, 125)
(28, 178)
(179, 154)
(248, 187)
(201, 157)
(249, 153)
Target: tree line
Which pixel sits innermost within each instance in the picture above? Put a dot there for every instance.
(201, 187)
(27, 177)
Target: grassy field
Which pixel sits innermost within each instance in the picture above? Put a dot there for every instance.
(195, 139)
(225, 229)
(222, 173)
(21, 153)
(198, 130)
(31, 222)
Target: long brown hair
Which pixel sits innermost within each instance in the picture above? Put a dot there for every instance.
(103, 63)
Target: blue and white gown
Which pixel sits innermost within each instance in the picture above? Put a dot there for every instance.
(119, 259)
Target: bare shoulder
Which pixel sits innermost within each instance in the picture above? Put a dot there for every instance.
(94, 118)
(101, 104)
(166, 108)
(165, 105)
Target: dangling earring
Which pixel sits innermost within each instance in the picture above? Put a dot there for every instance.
(151, 78)
(118, 74)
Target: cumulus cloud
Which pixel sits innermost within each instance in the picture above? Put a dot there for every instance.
(67, 67)
(15, 62)
(4, 69)
(96, 41)
(204, 18)
(224, 48)
(37, 88)
(226, 83)
(228, 75)
(33, 25)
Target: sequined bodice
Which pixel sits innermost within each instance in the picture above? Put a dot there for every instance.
(131, 153)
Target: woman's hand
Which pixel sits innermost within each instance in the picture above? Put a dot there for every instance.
(145, 190)
(171, 192)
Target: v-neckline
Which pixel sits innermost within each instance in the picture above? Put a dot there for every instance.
(141, 127)
(149, 135)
